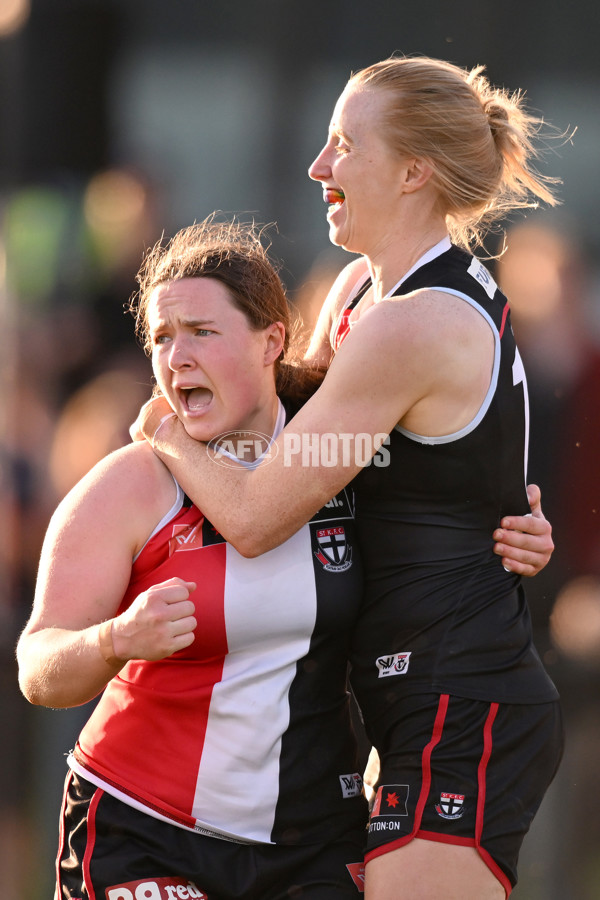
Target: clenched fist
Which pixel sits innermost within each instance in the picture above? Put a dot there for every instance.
(159, 622)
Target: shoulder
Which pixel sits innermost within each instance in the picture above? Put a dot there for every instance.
(128, 468)
(433, 314)
(415, 338)
(129, 487)
(400, 319)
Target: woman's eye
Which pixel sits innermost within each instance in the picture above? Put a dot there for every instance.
(202, 332)
(160, 339)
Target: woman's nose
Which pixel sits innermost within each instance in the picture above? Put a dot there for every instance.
(179, 357)
(320, 169)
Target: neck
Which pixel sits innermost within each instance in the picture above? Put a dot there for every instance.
(265, 423)
(391, 264)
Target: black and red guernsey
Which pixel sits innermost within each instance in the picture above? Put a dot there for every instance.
(440, 612)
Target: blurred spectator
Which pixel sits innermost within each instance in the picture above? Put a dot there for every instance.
(550, 284)
(549, 279)
(96, 419)
(70, 364)
(310, 294)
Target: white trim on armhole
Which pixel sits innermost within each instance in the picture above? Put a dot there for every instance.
(470, 426)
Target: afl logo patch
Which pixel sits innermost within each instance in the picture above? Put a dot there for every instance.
(351, 785)
(393, 664)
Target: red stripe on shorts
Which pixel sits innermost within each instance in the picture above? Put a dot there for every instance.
(90, 843)
(482, 785)
(436, 736)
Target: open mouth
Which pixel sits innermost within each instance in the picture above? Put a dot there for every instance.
(196, 399)
(334, 198)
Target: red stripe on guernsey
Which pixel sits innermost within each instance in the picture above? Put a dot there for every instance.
(90, 843)
(179, 735)
(167, 701)
(504, 315)
(436, 736)
(342, 329)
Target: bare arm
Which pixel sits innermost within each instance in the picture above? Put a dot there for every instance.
(259, 509)
(524, 542)
(84, 571)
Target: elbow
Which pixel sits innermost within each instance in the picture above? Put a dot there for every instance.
(252, 540)
(249, 546)
(30, 683)
(32, 690)
(37, 692)
(252, 537)
(37, 687)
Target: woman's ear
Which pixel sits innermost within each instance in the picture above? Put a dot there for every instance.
(274, 342)
(418, 172)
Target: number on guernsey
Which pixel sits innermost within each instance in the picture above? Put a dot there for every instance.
(518, 371)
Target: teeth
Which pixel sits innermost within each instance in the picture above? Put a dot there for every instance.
(198, 397)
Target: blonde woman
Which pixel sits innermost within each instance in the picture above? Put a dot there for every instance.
(420, 157)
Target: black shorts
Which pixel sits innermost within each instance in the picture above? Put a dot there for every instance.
(465, 772)
(111, 851)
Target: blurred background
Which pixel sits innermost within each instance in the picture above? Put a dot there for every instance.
(124, 119)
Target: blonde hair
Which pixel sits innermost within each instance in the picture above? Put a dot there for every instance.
(232, 252)
(477, 138)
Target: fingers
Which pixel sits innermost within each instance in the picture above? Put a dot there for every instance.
(524, 525)
(526, 533)
(534, 522)
(527, 565)
(151, 416)
(158, 623)
(136, 431)
(154, 414)
(534, 496)
(525, 542)
(174, 590)
(524, 553)
(181, 611)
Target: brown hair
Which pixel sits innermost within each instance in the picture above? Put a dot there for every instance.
(233, 253)
(478, 138)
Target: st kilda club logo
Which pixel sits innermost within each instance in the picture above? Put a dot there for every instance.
(450, 806)
(334, 552)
